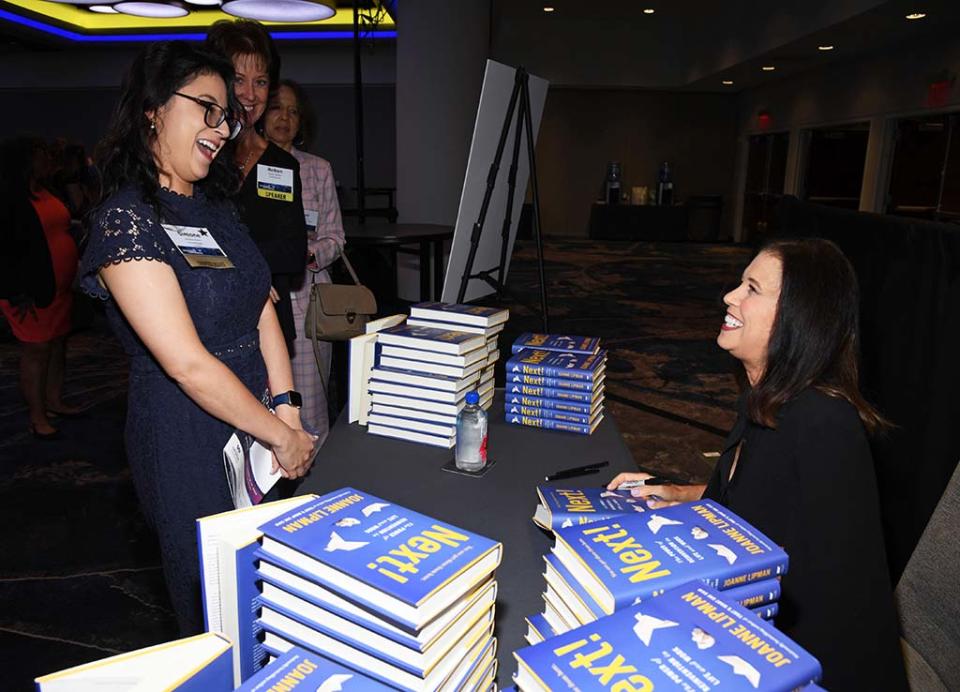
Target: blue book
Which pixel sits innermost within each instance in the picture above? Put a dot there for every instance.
(687, 638)
(282, 632)
(552, 364)
(429, 339)
(227, 545)
(402, 565)
(474, 315)
(196, 664)
(563, 507)
(586, 345)
(642, 555)
(553, 414)
(301, 669)
(551, 382)
(519, 400)
(283, 585)
(550, 424)
(573, 395)
(767, 611)
(414, 378)
(755, 593)
(538, 629)
(574, 596)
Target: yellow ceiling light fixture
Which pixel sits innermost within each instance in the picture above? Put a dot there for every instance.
(768, 68)
(153, 10)
(916, 15)
(727, 82)
(824, 48)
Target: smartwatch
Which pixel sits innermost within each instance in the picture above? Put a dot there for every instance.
(291, 398)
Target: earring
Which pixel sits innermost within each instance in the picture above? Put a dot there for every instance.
(153, 126)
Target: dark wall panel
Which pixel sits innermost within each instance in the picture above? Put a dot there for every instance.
(82, 115)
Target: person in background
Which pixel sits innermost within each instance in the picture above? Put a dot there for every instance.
(206, 350)
(269, 198)
(798, 465)
(40, 263)
(288, 124)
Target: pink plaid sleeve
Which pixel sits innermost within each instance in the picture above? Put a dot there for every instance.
(320, 195)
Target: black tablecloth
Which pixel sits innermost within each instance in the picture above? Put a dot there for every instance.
(499, 505)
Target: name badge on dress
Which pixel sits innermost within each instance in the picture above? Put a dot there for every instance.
(311, 217)
(274, 182)
(197, 246)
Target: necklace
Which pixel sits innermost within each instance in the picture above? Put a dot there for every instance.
(243, 166)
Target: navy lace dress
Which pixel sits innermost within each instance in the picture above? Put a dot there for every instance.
(175, 449)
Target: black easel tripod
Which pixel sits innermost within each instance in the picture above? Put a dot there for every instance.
(519, 102)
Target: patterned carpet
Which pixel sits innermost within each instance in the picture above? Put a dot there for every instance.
(80, 577)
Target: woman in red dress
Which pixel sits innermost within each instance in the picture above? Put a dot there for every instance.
(37, 279)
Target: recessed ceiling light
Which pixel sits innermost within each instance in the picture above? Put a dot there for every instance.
(824, 47)
(916, 15)
(727, 82)
(102, 9)
(157, 10)
(768, 68)
(205, 3)
(649, 10)
(548, 8)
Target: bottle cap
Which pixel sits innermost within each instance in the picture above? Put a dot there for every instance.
(473, 398)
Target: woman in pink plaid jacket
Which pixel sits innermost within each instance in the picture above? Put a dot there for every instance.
(286, 123)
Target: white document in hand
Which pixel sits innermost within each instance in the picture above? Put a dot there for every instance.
(248, 465)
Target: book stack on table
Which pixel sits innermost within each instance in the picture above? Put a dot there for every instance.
(612, 552)
(555, 382)
(397, 596)
(677, 597)
(424, 369)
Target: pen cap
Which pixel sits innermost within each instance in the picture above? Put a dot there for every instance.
(473, 398)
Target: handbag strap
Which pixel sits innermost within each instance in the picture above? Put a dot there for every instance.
(353, 274)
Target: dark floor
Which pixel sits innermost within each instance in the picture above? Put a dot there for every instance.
(80, 578)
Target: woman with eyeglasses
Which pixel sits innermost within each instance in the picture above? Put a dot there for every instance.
(269, 199)
(187, 294)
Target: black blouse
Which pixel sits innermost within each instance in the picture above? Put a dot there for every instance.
(810, 486)
(278, 228)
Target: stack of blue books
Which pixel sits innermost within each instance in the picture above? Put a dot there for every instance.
(392, 594)
(628, 557)
(691, 637)
(555, 382)
(424, 369)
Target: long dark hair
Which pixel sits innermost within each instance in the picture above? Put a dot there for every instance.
(17, 168)
(815, 339)
(125, 154)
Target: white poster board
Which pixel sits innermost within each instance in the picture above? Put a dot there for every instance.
(498, 83)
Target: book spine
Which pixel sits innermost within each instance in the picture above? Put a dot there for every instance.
(575, 395)
(552, 414)
(767, 612)
(551, 371)
(550, 404)
(548, 424)
(552, 382)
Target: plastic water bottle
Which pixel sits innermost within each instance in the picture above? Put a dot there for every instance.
(664, 186)
(471, 451)
(612, 183)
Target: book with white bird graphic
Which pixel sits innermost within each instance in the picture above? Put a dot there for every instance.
(690, 637)
(632, 556)
(390, 560)
(301, 669)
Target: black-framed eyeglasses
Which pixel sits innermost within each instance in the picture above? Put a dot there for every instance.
(214, 115)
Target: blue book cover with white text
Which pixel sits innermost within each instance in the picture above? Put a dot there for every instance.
(568, 343)
(430, 339)
(552, 413)
(558, 425)
(586, 386)
(360, 544)
(519, 400)
(554, 364)
(563, 507)
(299, 669)
(689, 638)
(513, 389)
(641, 555)
(475, 315)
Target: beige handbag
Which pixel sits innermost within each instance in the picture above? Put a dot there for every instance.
(338, 312)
